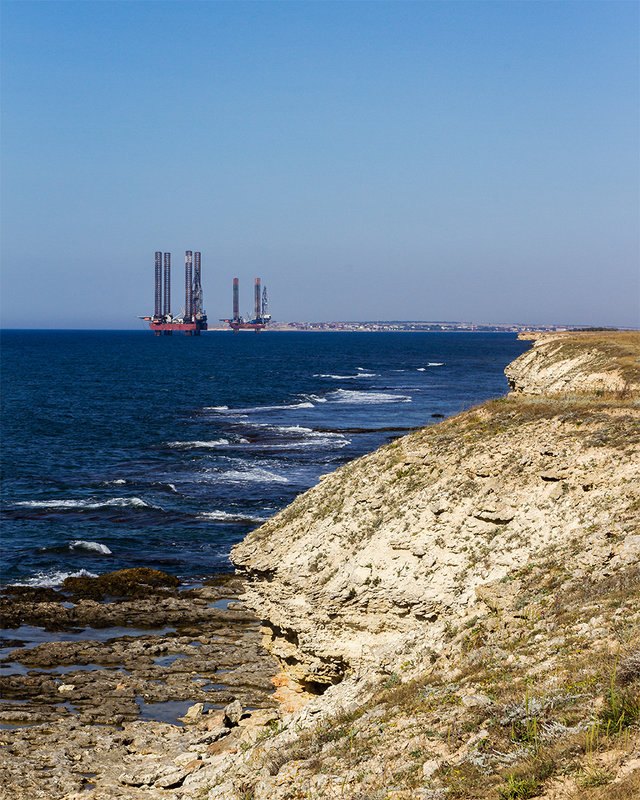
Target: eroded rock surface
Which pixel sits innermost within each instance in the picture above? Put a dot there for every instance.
(388, 551)
(86, 713)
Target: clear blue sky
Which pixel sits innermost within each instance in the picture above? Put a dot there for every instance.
(370, 160)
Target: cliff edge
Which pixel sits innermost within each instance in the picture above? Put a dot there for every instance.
(587, 362)
(456, 614)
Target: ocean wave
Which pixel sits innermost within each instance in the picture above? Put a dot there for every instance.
(225, 516)
(366, 398)
(116, 482)
(257, 409)
(90, 505)
(298, 436)
(49, 580)
(198, 444)
(321, 441)
(346, 377)
(93, 547)
(301, 430)
(251, 475)
(170, 486)
(435, 364)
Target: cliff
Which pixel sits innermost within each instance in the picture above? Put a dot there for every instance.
(589, 362)
(459, 610)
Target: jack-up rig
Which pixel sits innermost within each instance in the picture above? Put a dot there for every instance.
(261, 317)
(193, 319)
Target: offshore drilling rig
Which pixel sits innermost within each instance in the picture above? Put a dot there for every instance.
(193, 319)
(261, 316)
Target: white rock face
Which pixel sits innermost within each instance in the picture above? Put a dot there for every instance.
(574, 364)
(368, 569)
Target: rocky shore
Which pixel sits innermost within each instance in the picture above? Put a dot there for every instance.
(126, 692)
(452, 616)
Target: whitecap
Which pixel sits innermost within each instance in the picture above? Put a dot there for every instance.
(47, 580)
(124, 502)
(256, 409)
(308, 437)
(94, 547)
(213, 443)
(346, 377)
(252, 475)
(116, 482)
(435, 364)
(321, 441)
(224, 516)
(421, 369)
(366, 398)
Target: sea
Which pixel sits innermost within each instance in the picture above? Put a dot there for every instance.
(122, 449)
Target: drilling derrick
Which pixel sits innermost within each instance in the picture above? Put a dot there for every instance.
(167, 285)
(196, 300)
(188, 286)
(265, 305)
(236, 301)
(157, 314)
(257, 293)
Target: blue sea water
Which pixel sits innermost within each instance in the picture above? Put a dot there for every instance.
(122, 449)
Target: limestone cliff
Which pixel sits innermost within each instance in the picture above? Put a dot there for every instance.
(389, 549)
(577, 363)
(427, 556)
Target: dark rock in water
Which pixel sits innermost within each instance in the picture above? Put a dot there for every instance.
(439, 416)
(137, 582)
(34, 594)
(12, 642)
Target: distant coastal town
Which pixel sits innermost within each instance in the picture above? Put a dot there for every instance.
(405, 326)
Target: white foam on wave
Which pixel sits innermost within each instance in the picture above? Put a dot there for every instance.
(116, 482)
(257, 409)
(321, 441)
(93, 547)
(306, 437)
(435, 364)
(366, 398)
(421, 369)
(47, 580)
(251, 475)
(213, 443)
(122, 502)
(224, 516)
(346, 377)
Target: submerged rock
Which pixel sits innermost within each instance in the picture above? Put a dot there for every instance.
(137, 582)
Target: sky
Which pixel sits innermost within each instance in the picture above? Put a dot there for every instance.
(473, 161)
